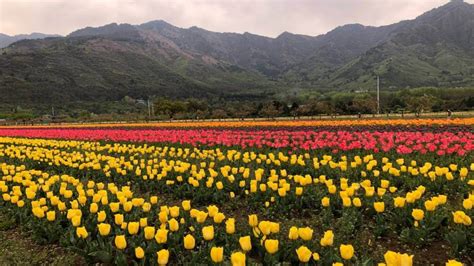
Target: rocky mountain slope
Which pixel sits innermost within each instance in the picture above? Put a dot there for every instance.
(159, 59)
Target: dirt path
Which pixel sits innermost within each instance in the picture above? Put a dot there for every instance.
(18, 248)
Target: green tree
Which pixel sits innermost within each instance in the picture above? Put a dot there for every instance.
(169, 107)
(271, 110)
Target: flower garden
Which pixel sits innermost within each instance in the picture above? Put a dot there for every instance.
(362, 192)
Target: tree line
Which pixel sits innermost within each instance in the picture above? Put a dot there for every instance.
(417, 100)
(340, 103)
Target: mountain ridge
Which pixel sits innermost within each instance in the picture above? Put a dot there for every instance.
(6, 39)
(434, 49)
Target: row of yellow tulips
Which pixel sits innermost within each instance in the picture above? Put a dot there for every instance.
(113, 188)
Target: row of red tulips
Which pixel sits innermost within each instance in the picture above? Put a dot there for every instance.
(403, 142)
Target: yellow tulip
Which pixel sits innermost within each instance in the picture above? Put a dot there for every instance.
(265, 227)
(163, 217)
(305, 233)
(118, 218)
(346, 251)
(327, 239)
(274, 227)
(114, 206)
(293, 233)
(128, 206)
(201, 217)
(379, 207)
(120, 242)
(410, 197)
(357, 202)
(316, 256)
(93, 208)
(418, 214)
(346, 202)
(325, 202)
(139, 253)
(463, 172)
(174, 211)
(453, 263)
(62, 206)
(208, 232)
(133, 228)
(20, 203)
(67, 194)
(186, 204)
(399, 202)
(101, 216)
(81, 232)
(237, 259)
(163, 257)
(304, 254)
(217, 254)
(104, 229)
(51, 216)
(143, 222)
(299, 191)
(406, 259)
(212, 210)
(282, 192)
(461, 218)
(430, 205)
(174, 225)
(230, 226)
(467, 204)
(189, 242)
(76, 220)
(396, 259)
(245, 243)
(29, 195)
(391, 258)
(219, 217)
(369, 191)
(161, 236)
(253, 220)
(149, 232)
(271, 246)
(146, 207)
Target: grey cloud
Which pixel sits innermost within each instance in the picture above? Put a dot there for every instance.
(264, 17)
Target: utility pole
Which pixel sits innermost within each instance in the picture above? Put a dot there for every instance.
(378, 95)
(149, 108)
(152, 108)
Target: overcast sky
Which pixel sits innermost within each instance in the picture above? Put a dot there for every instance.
(264, 17)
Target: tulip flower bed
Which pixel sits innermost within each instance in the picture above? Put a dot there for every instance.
(234, 196)
(403, 142)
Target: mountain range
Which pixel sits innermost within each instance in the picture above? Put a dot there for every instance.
(6, 40)
(158, 59)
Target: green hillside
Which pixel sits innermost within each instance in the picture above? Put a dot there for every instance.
(157, 59)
